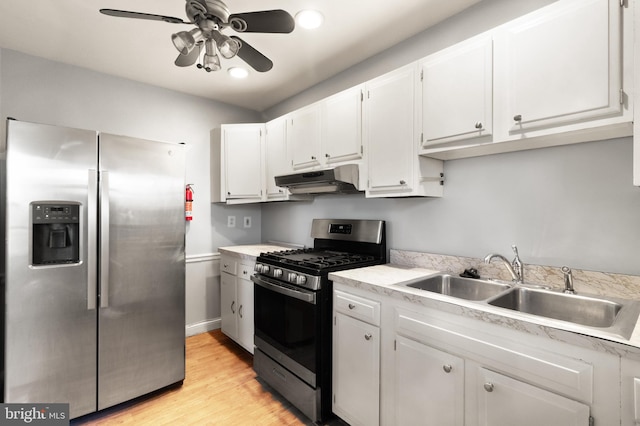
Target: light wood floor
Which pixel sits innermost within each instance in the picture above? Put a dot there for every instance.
(219, 389)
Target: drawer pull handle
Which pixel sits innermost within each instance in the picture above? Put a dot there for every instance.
(447, 368)
(367, 336)
(352, 306)
(240, 311)
(232, 305)
(488, 387)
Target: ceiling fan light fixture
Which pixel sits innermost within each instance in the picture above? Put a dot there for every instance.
(309, 19)
(211, 61)
(227, 46)
(185, 41)
(238, 72)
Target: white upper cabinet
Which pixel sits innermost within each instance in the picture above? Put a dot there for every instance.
(303, 132)
(561, 65)
(237, 153)
(276, 157)
(457, 93)
(342, 126)
(394, 167)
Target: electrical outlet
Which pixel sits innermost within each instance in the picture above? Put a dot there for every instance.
(247, 221)
(231, 221)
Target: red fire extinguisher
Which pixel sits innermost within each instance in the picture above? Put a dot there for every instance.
(188, 205)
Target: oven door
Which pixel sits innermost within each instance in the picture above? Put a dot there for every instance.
(287, 323)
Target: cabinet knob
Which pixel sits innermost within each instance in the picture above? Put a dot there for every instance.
(367, 336)
(228, 193)
(313, 157)
(327, 155)
(478, 125)
(447, 368)
(488, 387)
(352, 306)
(244, 272)
(402, 182)
(517, 118)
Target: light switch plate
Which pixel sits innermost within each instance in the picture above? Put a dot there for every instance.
(247, 221)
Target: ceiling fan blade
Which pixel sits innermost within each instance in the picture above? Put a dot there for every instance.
(251, 56)
(139, 15)
(188, 59)
(266, 21)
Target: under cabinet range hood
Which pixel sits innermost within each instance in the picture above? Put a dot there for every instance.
(340, 179)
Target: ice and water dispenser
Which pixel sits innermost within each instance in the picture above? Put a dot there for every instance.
(56, 233)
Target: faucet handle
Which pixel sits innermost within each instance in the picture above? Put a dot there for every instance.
(515, 249)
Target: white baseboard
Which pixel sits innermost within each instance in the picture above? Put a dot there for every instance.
(203, 327)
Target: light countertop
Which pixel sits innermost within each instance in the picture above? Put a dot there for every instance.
(250, 251)
(384, 279)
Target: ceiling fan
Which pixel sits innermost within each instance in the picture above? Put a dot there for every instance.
(211, 17)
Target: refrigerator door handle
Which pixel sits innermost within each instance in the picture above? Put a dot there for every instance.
(104, 239)
(92, 239)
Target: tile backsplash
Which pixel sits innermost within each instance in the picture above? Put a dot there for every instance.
(601, 283)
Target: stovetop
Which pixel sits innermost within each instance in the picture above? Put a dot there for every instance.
(315, 259)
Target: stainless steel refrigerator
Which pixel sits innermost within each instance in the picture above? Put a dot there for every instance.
(93, 269)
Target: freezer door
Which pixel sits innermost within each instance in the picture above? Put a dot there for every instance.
(50, 313)
(142, 271)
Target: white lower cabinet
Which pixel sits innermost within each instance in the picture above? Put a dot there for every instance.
(356, 359)
(429, 385)
(440, 368)
(504, 401)
(236, 300)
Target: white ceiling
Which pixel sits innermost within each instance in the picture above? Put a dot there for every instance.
(74, 32)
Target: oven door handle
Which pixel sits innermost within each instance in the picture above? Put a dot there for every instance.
(308, 297)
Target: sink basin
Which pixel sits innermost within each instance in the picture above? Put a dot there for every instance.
(584, 310)
(462, 288)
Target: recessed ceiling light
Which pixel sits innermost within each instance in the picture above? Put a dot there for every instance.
(237, 72)
(309, 19)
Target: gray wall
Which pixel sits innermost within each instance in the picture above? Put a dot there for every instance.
(35, 89)
(572, 205)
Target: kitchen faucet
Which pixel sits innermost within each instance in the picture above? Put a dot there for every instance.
(568, 280)
(515, 267)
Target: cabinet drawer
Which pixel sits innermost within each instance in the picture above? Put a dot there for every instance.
(357, 307)
(228, 265)
(245, 271)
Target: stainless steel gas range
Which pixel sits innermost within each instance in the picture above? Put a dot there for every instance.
(293, 309)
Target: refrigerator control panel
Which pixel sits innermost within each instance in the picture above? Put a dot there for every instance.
(55, 213)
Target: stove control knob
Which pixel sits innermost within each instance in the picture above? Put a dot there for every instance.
(292, 277)
(258, 267)
(301, 280)
(264, 269)
(277, 273)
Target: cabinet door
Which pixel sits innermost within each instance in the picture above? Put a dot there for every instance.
(457, 93)
(390, 120)
(245, 313)
(564, 65)
(243, 160)
(504, 401)
(342, 126)
(356, 371)
(303, 131)
(429, 387)
(277, 158)
(228, 305)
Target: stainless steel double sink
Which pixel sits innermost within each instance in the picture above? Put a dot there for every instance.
(605, 315)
